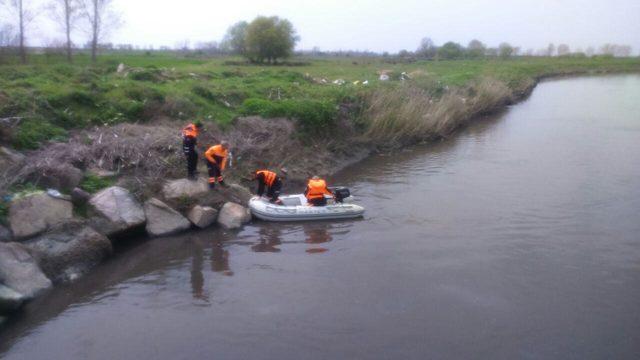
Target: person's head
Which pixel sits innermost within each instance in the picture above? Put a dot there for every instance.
(254, 174)
(284, 172)
(198, 124)
(224, 144)
(315, 177)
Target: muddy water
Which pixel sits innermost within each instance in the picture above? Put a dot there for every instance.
(520, 238)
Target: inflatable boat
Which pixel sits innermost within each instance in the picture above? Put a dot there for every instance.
(296, 208)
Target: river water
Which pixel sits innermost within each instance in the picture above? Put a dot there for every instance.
(517, 238)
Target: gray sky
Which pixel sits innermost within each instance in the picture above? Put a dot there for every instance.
(390, 25)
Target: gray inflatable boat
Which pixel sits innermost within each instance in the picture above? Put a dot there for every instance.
(296, 208)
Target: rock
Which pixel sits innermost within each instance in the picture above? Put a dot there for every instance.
(5, 234)
(32, 214)
(10, 300)
(20, 271)
(185, 189)
(118, 212)
(233, 216)
(238, 193)
(9, 157)
(163, 220)
(69, 251)
(202, 216)
(121, 68)
(62, 177)
(79, 196)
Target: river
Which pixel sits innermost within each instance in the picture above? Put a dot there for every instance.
(517, 238)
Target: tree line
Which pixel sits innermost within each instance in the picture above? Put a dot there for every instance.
(94, 17)
(477, 49)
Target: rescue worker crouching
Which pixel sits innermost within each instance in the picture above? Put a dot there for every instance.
(272, 182)
(217, 157)
(316, 191)
(189, 141)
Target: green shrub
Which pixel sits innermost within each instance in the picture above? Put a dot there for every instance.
(311, 115)
(93, 183)
(203, 92)
(33, 132)
(152, 75)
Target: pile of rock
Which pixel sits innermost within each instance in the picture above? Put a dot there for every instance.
(46, 243)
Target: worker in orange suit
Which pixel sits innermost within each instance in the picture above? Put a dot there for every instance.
(217, 157)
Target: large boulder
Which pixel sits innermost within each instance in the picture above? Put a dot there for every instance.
(10, 300)
(233, 216)
(238, 194)
(60, 176)
(69, 251)
(117, 211)
(163, 220)
(20, 271)
(5, 234)
(185, 189)
(202, 216)
(32, 214)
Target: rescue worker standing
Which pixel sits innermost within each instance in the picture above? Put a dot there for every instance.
(271, 181)
(316, 190)
(217, 157)
(189, 142)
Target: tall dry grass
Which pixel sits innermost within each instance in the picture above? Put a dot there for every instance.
(409, 113)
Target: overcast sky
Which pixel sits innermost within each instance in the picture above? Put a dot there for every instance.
(388, 25)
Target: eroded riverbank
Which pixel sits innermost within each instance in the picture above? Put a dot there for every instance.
(516, 238)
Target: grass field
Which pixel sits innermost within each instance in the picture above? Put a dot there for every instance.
(53, 97)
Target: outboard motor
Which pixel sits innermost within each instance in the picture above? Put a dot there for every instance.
(340, 193)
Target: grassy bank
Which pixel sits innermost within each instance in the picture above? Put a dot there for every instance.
(52, 97)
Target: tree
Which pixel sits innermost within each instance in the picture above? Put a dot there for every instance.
(476, 49)
(65, 13)
(427, 49)
(234, 40)
(551, 49)
(270, 39)
(505, 50)
(450, 50)
(590, 51)
(23, 14)
(101, 18)
(563, 50)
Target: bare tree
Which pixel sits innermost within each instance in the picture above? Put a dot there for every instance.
(551, 49)
(101, 18)
(65, 13)
(590, 51)
(23, 14)
(563, 50)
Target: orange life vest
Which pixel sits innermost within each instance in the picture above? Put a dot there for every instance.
(217, 152)
(190, 131)
(317, 189)
(269, 177)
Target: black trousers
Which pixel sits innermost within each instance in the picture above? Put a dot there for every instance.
(274, 191)
(215, 174)
(318, 201)
(189, 149)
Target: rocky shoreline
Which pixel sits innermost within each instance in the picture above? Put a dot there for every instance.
(49, 245)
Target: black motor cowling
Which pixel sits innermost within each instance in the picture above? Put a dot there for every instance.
(340, 193)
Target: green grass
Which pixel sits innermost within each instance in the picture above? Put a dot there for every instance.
(55, 97)
(93, 183)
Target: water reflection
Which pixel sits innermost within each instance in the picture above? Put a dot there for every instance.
(269, 240)
(317, 234)
(219, 264)
(197, 277)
